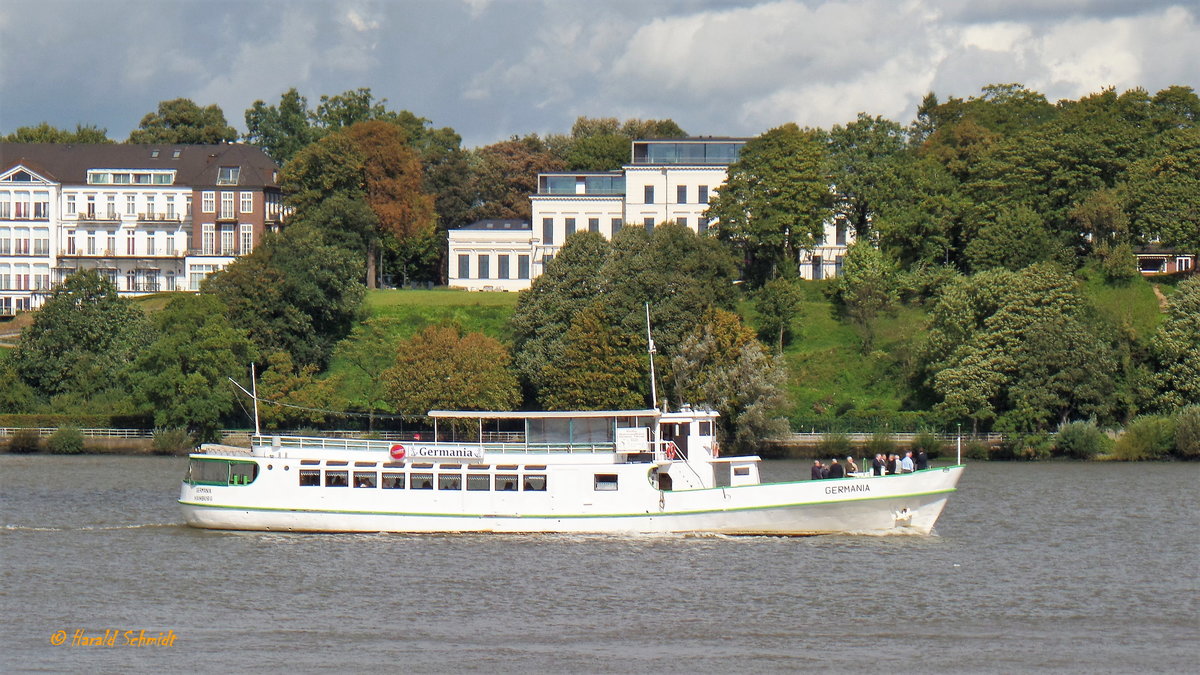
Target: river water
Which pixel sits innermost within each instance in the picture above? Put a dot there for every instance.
(1048, 567)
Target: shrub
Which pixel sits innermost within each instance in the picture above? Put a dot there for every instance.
(976, 449)
(1187, 433)
(932, 445)
(1026, 446)
(25, 441)
(1146, 437)
(880, 443)
(1081, 440)
(835, 445)
(66, 441)
(172, 442)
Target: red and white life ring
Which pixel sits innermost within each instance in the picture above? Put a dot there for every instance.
(397, 451)
(671, 451)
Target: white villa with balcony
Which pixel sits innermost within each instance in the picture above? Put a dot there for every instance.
(668, 180)
(149, 217)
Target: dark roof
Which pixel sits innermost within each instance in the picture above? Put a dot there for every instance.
(195, 165)
(1158, 249)
(498, 224)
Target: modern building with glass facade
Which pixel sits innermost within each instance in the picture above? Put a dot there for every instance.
(666, 180)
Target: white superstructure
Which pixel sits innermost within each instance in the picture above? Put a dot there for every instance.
(630, 471)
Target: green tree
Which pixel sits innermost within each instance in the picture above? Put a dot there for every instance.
(600, 367)
(722, 366)
(1175, 351)
(182, 377)
(777, 303)
(1018, 238)
(292, 397)
(181, 121)
(370, 350)
(1162, 194)
(296, 292)
(45, 133)
(368, 162)
(545, 311)
(283, 130)
(867, 288)
(861, 157)
(774, 202)
(81, 339)
(1006, 346)
(440, 368)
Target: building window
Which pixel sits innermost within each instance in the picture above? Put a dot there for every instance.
(70, 205)
(151, 248)
(151, 209)
(522, 267)
(1183, 264)
(111, 247)
(208, 202)
(91, 243)
(246, 244)
(501, 267)
(840, 233)
(818, 273)
(227, 240)
(702, 224)
(228, 175)
(547, 231)
(171, 207)
(681, 194)
(648, 194)
(702, 194)
(130, 244)
(593, 224)
(837, 265)
(617, 223)
(464, 267)
(227, 205)
(247, 199)
(208, 239)
(485, 264)
(570, 226)
(111, 207)
(648, 222)
(682, 220)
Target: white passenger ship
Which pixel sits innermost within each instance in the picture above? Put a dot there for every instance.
(622, 471)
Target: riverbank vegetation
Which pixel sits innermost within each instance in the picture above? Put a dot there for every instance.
(993, 285)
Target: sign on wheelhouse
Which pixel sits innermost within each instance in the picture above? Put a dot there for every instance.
(614, 471)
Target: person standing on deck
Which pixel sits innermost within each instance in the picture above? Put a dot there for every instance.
(851, 466)
(922, 460)
(818, 471)
(836, 470)
(906, 464)
(878, 465)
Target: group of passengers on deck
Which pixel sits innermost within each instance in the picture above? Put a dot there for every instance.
(883, 465)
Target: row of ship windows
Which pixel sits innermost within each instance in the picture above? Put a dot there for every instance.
(394, 480)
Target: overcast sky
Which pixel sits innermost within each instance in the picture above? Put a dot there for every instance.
(494, 68)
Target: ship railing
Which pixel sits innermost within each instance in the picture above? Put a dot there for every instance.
(376, 445)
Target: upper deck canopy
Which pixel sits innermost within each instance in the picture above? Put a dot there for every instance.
(538, 414)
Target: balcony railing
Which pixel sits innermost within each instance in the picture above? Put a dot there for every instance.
(164, 253)
(159, 218)
(99, 218)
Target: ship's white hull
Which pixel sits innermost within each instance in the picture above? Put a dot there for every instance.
(905, 504)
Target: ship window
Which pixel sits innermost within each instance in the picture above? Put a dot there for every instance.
(507, 467)
(741, 471)
(307, 462)
(606, 482)
(423, 465)
(706, 428)
(506, 482)
(393, 465)
(335, 463)
(364, 479)
(393, 481)
(535, 482)
(336, 479)
(449, 481)
(478, 481)
(364, 464)
(242, 473)
(310, 477)
(420, 481)
(478, 467)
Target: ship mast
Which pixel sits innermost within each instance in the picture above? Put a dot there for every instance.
(650, 349)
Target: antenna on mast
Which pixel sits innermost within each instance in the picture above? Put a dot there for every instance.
(254, 395)
(651, 350)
